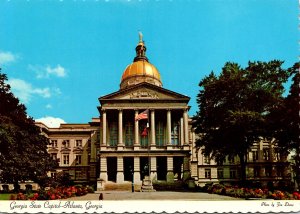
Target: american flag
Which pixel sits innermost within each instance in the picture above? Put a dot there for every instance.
(143, 115)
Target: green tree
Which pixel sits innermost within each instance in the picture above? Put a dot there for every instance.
(233, 108)
(286, 122)
(23, 149)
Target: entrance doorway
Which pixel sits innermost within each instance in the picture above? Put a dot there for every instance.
(161, 163)
(112, 168)
(144, 167)
(128, 168)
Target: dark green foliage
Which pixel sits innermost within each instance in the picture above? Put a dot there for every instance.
(234, 107)
(169, 186)
(23, 150)
(62, 179)
(286, 121)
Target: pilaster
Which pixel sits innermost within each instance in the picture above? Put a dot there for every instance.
(104, 122)
(170, 173)
(153, 168)
(136, 171)
(120, 170)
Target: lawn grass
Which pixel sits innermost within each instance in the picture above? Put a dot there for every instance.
(5, 196)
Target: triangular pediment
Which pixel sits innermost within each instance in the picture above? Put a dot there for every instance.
(144, 91)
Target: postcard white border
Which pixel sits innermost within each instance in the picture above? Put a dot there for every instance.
(56, 206)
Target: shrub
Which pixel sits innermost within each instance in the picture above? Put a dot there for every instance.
(168, 186)
(90, 189)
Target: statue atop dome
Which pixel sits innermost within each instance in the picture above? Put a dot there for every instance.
(141, 37)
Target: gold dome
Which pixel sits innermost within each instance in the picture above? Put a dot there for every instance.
(140, 70)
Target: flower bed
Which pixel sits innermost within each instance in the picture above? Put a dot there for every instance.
(238, 192)
(54, 193)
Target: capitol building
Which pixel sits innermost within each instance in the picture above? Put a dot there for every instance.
(144, 129)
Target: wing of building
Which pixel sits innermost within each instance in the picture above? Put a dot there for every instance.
(116, 147)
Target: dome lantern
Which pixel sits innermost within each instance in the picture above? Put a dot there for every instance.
(140, 70)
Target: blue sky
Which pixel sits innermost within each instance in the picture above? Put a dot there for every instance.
(60, 56)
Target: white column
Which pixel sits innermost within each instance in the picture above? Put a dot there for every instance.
(103, 127)
(169, 126)
(181, 132)
(152, 127)
(136, 129)
(136, 171)
(120, 131)
(120, 170)
(103, 169)
(185, 124)
(93, 148)
(153, 168)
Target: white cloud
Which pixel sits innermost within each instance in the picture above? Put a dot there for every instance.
(48, 106)
(24, 90)
(57, 91)
(7, 57)
(47, 71)
(57, 71)
(51, 122)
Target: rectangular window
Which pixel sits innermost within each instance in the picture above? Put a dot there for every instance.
(255, 155)
(54, 156)
(66, 143)
(175, 134)
(220, 173)
(268, 171)
(65, 159)
(78, 143)
(266, 154)
(53, 174)
(78, 159)
(206, 159)
(128, 134)
(277, 156)
(89, 157)
(54, 143)
(232, 173)
(208, 173)
(159, 132)
(78, 175)
(113, 134)
(231, 160)
(256, 171)
(280, 171)
(144, 133)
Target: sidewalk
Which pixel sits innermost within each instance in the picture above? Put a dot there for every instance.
(125, 195)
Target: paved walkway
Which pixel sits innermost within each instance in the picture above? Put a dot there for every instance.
(125, 195)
